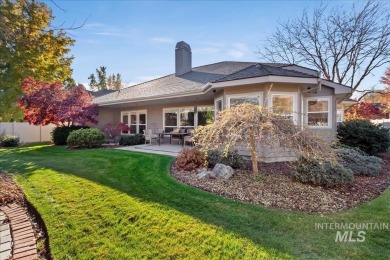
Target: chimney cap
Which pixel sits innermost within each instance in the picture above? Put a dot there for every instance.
(183, 45)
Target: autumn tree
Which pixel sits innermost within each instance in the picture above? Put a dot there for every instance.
(257, 128)
(386, 78)
(50, 103)
(345, 44)
(29, 47)
(364, 110)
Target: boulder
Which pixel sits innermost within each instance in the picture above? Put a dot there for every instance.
(223, 171)
(202, 175)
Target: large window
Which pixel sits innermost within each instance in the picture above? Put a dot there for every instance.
(205, 115)
(218, 106)
(136, 120)
(252, 98)
(179, 118)
(284, 104)
(318, 112)
(340, 113)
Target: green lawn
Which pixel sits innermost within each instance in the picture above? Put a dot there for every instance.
(111, 204)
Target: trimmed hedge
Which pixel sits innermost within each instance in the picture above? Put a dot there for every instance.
(132, 139)
(60, 134)
(9, 141)
(233, 159)
(86, 138)
(359, 163)
(326, 174)
(369, 138)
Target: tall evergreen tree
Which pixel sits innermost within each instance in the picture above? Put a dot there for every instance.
(102, 77)
(92, 81)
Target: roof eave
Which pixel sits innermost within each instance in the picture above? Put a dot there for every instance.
(203, 90)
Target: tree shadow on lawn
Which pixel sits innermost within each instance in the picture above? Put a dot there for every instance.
(147, 177)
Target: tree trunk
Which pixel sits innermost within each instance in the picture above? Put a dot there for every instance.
(253, 151)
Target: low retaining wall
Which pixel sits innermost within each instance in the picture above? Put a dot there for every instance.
(27, 133)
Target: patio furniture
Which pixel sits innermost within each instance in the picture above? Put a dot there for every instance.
(189, 138)
(181, 136)
(149, 136)
(176, 137)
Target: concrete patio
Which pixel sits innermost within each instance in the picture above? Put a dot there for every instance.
(163, 149)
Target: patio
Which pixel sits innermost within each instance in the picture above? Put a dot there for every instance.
(163, 149)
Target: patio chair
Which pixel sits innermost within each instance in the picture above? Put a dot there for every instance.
(176, 137)
(149, 136)
(162, 131)
(189, 138)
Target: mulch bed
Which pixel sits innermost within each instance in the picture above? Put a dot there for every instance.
(11, 193)
(275, 187)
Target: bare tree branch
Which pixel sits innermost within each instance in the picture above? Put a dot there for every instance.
(345, 45)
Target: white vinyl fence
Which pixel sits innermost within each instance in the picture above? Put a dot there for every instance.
(384, 122)
(27, 133)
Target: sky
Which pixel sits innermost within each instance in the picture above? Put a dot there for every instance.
(137, 38)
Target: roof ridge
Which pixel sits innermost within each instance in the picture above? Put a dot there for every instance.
(147, 81)
(264, 67)
(225, 76)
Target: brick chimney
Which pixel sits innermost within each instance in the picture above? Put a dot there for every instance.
(183, 58)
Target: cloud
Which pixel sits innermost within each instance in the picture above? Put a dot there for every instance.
(162, 40)
(235, 54)
(239, 50)
(101, 29)
(107, 33)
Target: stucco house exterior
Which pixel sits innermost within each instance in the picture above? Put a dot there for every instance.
(191, 96)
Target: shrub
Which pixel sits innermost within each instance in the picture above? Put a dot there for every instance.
(60, 134)
(132, 139)
(9, 141)
(86, 138)
(359, 163)
(326, 173)
(369, 138)
(232, 159)
(190, 159)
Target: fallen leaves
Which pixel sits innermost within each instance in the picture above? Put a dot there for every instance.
(9, 191)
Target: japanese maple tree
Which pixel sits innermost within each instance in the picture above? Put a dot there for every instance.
(50, 103)
(364, 110)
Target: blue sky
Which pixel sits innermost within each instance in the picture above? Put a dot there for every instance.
(137, 38)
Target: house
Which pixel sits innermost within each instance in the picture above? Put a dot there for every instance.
(192, 95)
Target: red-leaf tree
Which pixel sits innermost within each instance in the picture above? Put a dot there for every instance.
(364, 110)
(386, 78)
(115, 130)
(50, 103)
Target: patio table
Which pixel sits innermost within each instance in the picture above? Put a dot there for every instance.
(170, 137)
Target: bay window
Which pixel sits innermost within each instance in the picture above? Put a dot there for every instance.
(236, 99)
(284, 104)
(319, 112)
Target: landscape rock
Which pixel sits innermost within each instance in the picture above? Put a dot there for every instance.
(223, 171)
(202, 175)
(201, 170)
